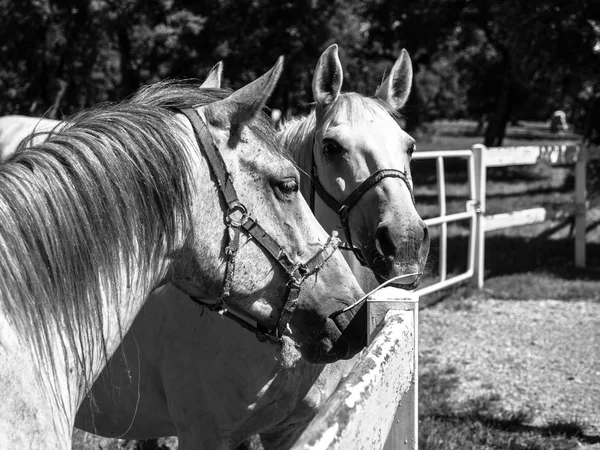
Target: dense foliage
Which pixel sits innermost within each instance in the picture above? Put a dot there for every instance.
(500, 59)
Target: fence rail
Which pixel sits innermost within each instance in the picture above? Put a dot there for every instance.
(479, 158)
(471, 213)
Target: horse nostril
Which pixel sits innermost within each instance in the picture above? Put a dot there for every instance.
(425, 244)
(383, 241)
(425, 236)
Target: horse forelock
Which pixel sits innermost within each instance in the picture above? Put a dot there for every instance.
(298, 134)
(356, 108)
(102, 195)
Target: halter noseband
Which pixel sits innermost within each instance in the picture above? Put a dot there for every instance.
(343, 209)
(237, 219)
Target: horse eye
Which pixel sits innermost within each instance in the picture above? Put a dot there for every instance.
(287, 188)
(412, 149)
(331, 147)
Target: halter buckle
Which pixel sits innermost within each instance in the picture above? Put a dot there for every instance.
(236, 215)
(295, 283)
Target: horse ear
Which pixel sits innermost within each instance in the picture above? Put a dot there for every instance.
(395, 88)
(328, 78)
(213, 79)
(243, 105)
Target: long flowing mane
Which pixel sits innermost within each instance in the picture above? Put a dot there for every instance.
(85, 208)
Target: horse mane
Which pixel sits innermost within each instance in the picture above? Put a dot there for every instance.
(94, 202)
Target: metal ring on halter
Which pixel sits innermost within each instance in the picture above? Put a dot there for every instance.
(237, 208)
(302, 269)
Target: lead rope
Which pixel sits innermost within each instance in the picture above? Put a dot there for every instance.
(382, 285)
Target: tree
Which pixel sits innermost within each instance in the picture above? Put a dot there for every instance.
(532, 49)
(422, 27)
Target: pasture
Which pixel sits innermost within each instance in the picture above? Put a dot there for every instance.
(517, 365)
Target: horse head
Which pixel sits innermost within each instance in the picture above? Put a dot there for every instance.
(361, 159)
(251, 245)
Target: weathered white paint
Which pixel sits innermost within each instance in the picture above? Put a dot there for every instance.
(404, 432)
(364, 408)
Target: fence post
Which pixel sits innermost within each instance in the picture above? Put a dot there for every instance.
(367, 406)
(580, 205)
(480, 186)
(404, 433)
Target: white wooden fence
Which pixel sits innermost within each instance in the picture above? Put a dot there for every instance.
(479, 158)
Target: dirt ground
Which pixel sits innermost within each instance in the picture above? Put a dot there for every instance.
(536, 359)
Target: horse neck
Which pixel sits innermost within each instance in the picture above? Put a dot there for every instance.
(62, 330)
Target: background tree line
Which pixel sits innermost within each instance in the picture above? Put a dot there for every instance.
(498, 59)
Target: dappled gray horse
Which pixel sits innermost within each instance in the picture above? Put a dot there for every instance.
(122, 200)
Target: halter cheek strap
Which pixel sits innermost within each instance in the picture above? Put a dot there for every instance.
(237, 219)
(343, 209)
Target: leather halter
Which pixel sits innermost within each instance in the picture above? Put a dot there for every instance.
(237, 219)
(343, 209)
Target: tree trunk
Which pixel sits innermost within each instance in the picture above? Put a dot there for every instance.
(496, 129)
(127, 82)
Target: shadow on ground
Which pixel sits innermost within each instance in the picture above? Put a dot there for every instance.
(480, 422)
(518, 267)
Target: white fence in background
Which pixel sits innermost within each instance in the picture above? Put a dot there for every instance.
(375, 407)
(479, 158)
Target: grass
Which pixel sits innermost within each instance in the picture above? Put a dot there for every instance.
(480, 423)
(520, 263)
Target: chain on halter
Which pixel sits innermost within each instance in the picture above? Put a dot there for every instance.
(237, 219)
(343, 209)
